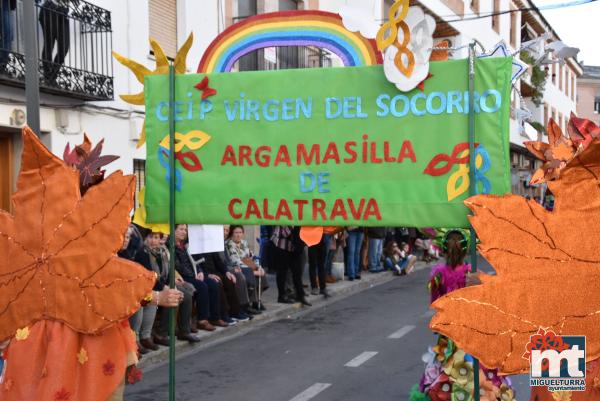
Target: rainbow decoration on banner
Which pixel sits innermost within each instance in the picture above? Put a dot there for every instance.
(320, 29)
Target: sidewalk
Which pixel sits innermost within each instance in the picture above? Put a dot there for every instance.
(275, 311)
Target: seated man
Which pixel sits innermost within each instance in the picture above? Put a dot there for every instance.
(208, 297)
(212, 264)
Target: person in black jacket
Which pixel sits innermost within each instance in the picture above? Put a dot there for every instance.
(212, 264)
(208, 302)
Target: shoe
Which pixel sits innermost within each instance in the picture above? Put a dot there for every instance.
(357, 277)
(189, 338)
(160, 340)
(194, 328)
(142, 350)
(218, 323)
(376, 271)
(330, 280)
(231, 321)
(325, 293)
(259, 306)
(205, 325)
(252, 311)
(149, 344)
(242, 317)
(314, 291)
(303, 301)
(284, 300)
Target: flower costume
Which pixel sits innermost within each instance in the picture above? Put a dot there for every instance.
(449, 373)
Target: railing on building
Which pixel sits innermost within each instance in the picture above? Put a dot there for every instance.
(74, 47)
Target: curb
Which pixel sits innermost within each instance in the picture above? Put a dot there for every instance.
(275, 312)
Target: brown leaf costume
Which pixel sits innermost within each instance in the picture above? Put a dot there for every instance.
(62, 283)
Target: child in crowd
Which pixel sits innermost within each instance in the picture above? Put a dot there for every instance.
(398, 258)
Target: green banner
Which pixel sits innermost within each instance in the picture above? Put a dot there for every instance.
(327, 146)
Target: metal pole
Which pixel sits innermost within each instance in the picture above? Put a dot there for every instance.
(172, 229)
(32, 83)
(473, 188)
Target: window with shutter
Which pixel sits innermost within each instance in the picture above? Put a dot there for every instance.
(163, 24)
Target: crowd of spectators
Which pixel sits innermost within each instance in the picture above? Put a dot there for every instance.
(222, 289)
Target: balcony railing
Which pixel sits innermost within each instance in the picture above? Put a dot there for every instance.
(74, 42)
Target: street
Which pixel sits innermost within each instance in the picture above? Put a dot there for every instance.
(367, 346)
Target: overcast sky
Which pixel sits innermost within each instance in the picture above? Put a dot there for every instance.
(577, 26)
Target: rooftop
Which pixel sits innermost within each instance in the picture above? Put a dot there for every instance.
(591, 72)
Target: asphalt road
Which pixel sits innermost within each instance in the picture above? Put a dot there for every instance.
(367, 346)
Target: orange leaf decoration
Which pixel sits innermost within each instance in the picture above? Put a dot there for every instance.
(59, 248)
(555, 154)
(548, 269)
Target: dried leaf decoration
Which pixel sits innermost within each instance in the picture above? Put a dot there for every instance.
(548, 270)
(58, 249)
(88, 161)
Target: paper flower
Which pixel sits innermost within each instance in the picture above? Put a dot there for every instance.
(460, 394)
(488, 390)
(62, 262)
(506, 393)
(357, 20)
(421, 27)
(22, 334)
(541, 259)
(441, 389)
(82, 356)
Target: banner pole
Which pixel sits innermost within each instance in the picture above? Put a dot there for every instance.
(172, 228)
(473, 190)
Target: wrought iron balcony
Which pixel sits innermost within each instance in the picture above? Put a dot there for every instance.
(74, 42)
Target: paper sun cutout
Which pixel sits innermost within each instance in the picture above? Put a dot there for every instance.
(421, 28)
(60, 247)
(501, 50)
(162, 67)
(355, 20)
(547, 266)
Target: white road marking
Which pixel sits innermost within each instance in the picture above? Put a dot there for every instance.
(362, 358)
(311, 392)
(402, 332)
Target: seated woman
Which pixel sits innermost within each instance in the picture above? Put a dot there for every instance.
(143, 320)
(208, 291)
(240, 259)
(398, 259)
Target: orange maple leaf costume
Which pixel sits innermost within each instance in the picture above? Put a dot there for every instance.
(547, 265)
(65, 293)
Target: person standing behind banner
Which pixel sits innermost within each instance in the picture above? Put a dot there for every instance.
(208, 301)
(376, 236)
(239, 256)
(354, 244)
(286, 256)
(316, 266)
